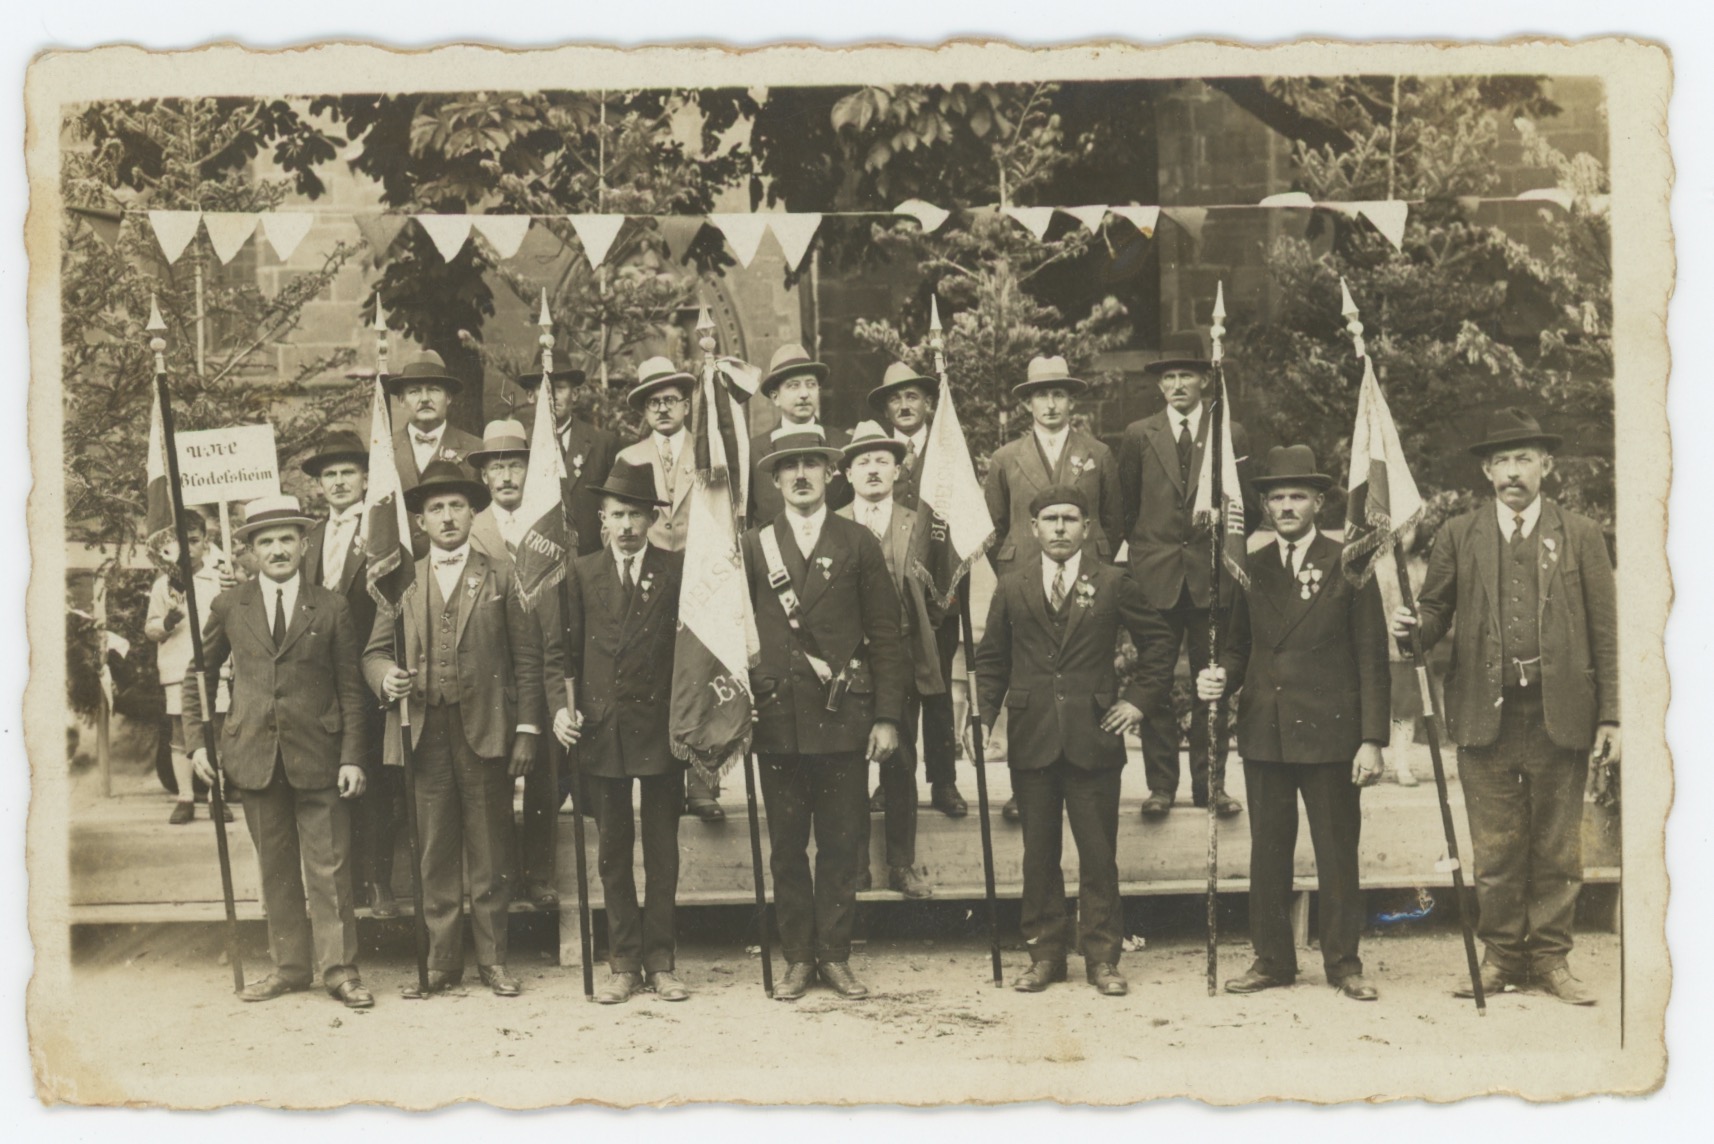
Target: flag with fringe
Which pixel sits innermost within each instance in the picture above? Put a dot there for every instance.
(549, 539)
(1381, 495)
(1231, 507)
(390, 568)
(960, 529)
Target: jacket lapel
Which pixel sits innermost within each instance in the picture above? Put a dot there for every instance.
(1485, 549)
(685, 464)
(302, 613)
(1074, 615)
(576, 444)
(1166, 451)
(831, 547)
(1199, 447)
(1034, 598)
(355, 562)
(1550, 528)
(795, 564)
(1269, 580)
(641, 605)
(1296, 607)
(476, 565)
(406, 457)
(1033, 465)
(904, 523)
(252, 608)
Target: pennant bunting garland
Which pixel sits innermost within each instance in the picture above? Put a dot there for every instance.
(597, 233)
(1389, 218)
(174, 230)
(105, 224)
(1188, 218)
(1036, 220)
(228, 231)
(794, 232)
(1288, 199)
(505, 233)
(389, 568)
(1090, 217)
(449, 232)
(1382, 497)
(929, 215)
(285, 230)
(743, 233)
(548, 536)
(1143, 218)
(678, 233)
(380, 231)
(952, 498)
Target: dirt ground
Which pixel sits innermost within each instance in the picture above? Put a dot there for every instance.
(155, 1006)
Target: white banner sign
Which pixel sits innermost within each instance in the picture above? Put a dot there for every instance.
(239, 463)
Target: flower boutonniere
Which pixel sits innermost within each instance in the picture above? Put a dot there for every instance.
(1085, 592)
(1077, 465)
(452, 455)
(1309, 581)
(472, 585)
(1552, 547)
(826, 565)
(577, 466)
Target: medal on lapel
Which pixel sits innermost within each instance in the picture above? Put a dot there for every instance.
(472, 584)
(1085, 592)
(826, 565)
(1078, 464)
(1309, 582)
(577, 466)
(645, 585)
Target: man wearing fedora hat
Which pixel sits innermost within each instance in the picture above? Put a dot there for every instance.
(293, 743)
(1047, 656)
(424, 390)
(476, 706)
(618, 646)
(586, 451)
(1310, 652)
(871, 463)
(662, 396)
(904, 401)
(1532, 699)
(793, 383)
(335, 559)
(830, 691)
(1160, 464)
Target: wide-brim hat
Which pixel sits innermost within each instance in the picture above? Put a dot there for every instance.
(898, 376)
(447, 477)
(1180, 351)
(499, 439)
(340, 444)
(271, 512)
(657, 373)
(790, 360)
(1513, 426)
(426, 367)
(530, 381)
(790, 441)
(1048, 373)
(869, 435)
(634, 483)
(1291, 465)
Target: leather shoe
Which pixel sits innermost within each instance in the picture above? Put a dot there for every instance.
(541, 895)
(1254, 981)
(1107, 979)
(352, 993)
(908, 882)
(1356, 987)
(1494, 980)
(183, 812)
(618, 987)
(707, 809)
(1157, 804)
(796, 982)
(1039, 976)
(381, 901)
(838, 977)
(878, 800)
(667, 987)
(1010, 811)
(1567, 988)
(270, 987)
(945, 798)
(502, 983)
(440, 980)
(1225, 806)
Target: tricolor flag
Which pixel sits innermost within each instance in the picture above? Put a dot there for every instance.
(960, 529)
(1382, 499)
(709, 720)
(386, 527)
(157, 496)
(1231, 509)
(740, 381)
(548, 540)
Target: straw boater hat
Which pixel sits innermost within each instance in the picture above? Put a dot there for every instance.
(1180, 351)
(271, 512)
(869, 436)
(790, 360)
(340, 444)
(447, 477)
(898, 376)
(1048, 373)
(658, 373)
(427, 366)
(634, 483)
(1512, 426)
(529, 381)
(499, 439)
(1291, 465)
(790, 441)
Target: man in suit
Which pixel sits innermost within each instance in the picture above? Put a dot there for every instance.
(1160, 461)
(871, 462)
(471, 670)
(793, 382)
(905, 401)
(1047, 656)
(830, 691)
(662, 396)
(1054, 452)
(618, 646)
(293, 743)
(1526, 588)
(334, 558)
(586, 450)
(424, 389)
(1310, 652)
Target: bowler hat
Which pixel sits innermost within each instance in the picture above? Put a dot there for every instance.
(1048, 373)
(425, 367)
(529, 381)
(447, 477)
(657, 373)
(271, 512)
(869, 435)
(499, 439)
(628, 482)
(1291, 465)
(1513, 426)
(1180, 351)
(898, 376)
(1059, 494)
(790, 441)
(340, 444)
(790, 360)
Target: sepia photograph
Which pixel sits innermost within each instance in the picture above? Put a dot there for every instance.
(899, 576)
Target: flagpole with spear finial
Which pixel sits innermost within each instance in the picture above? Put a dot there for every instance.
(1419, 658)
(937, 343)
(199, 664)
(1216, 620)
(585, 932)
(706, 342)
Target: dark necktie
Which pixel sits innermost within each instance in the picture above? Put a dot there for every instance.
(1517, 530)
(1185, 447)
(1057, 597)
(1290, 559)
(279, 617)
(625, 580)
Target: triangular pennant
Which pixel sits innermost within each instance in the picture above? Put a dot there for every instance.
(1190, 218)
(678, 232)
(1389, 217)
(285, 229)
(449, 232)
(1557, 195)
(929, 215)
(743, 233)
(174, 230)
(504, 232)
(380, 231)
(105, 224)
(1288, 199)
(1090, 217)
(795, 232)
(1036, 220)
(228, 231)
(1143, 218)
(597, 233)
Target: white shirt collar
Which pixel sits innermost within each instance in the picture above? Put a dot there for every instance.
(882, 510)
(501, 513)
(287, 588)
(620, 558)
(353, 514)
(1505, 512)
(1177, 420)
(1302, 545)
(433, 435)
(1049, 567)
(807, 529)
(662, 441)
(919, 439)
(447, 558)
(1054, 441)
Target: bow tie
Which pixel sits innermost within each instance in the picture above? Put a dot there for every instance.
(424, 438)
(448, 561)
